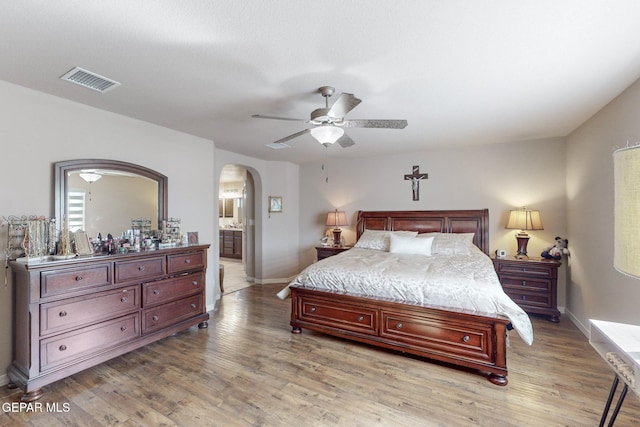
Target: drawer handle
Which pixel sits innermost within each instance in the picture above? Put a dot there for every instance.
(465, 338)
(524, 297)
(193, 306)
(398, 325)
(156, 292)
(194, 283)
(62, 313)
(123, 299)
(123, 328)
(141, 268)
(155, 318)
(62, 347)
(360, 318)
(524, 283)
(313, 309)
(187, 261)
(78, 278)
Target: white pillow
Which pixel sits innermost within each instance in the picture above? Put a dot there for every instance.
(379, 239)
(450, 243)
(410, 245)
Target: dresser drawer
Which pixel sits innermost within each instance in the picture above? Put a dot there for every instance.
(56, 282)
(76, 345)
(529, 300)
(74, 312)
(139, 269)
(162, 291)
(525, 268)
(466, 341)
(173, 312)
(522, 283)
(185, 262)
(345, 316)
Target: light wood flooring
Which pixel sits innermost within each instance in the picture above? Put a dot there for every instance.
(234, 276)
(247, 369)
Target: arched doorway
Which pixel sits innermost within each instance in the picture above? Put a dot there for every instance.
(236, 216)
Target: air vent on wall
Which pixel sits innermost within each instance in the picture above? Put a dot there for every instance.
(90, 80)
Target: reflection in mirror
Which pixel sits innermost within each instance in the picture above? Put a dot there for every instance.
(103, 196)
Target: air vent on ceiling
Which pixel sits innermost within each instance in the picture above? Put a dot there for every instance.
(90, 80)
(277, 145)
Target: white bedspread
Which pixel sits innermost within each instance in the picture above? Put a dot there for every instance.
(466, 282)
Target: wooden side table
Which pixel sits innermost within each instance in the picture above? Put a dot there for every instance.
(323, 252)
(532, 283)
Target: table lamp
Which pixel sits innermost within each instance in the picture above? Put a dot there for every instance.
(524, 219)
(336, 219)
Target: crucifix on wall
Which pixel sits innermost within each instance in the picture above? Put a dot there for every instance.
(415, 178)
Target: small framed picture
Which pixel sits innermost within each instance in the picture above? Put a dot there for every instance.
(275, 204)
(81, 241)
(192, 237)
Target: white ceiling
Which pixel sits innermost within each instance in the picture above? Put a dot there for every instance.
(461, 72)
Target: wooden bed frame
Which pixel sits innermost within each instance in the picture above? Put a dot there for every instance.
(457, 337)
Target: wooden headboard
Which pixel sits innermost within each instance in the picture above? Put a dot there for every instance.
(467, 221)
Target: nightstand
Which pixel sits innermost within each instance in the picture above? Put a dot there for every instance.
(326, 251)
(532, 283)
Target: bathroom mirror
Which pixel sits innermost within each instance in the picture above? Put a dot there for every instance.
(103, 196)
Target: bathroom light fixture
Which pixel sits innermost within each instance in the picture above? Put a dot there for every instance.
(327, 134)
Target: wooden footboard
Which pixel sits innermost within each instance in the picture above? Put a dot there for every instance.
(456, 337)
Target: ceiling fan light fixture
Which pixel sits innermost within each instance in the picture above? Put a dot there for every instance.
(327, 134)
(90, 177)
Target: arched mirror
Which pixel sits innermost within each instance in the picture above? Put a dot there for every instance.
(104, 196)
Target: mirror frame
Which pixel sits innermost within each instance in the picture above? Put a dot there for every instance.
(61, 169)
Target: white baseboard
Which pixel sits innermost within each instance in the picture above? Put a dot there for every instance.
(584, 329)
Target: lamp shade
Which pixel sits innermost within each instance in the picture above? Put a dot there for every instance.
(524, 219)
(336, 218)
(327, 134)
(626, 236)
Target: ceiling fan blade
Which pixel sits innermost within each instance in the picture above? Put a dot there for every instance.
(290, 137)
(364, 123)
(259, 116)
(345, 141)
(345, 103)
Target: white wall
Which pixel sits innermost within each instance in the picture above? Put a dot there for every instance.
(37, 130)
(596, 290)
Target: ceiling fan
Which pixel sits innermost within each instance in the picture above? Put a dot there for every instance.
(329, 122)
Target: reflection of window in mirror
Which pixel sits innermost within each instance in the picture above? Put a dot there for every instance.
(76, 203)
(220, 208)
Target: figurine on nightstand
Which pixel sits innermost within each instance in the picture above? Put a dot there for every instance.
(556, 251)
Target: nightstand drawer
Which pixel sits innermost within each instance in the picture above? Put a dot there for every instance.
(525, 283)
(529, 300)
(323, 252)
(523, 268)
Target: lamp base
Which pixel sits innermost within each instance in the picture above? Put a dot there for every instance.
(523, 240)
(336, 237)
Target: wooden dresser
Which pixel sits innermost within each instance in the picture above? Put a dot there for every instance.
(71, 315)
(532, 283)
